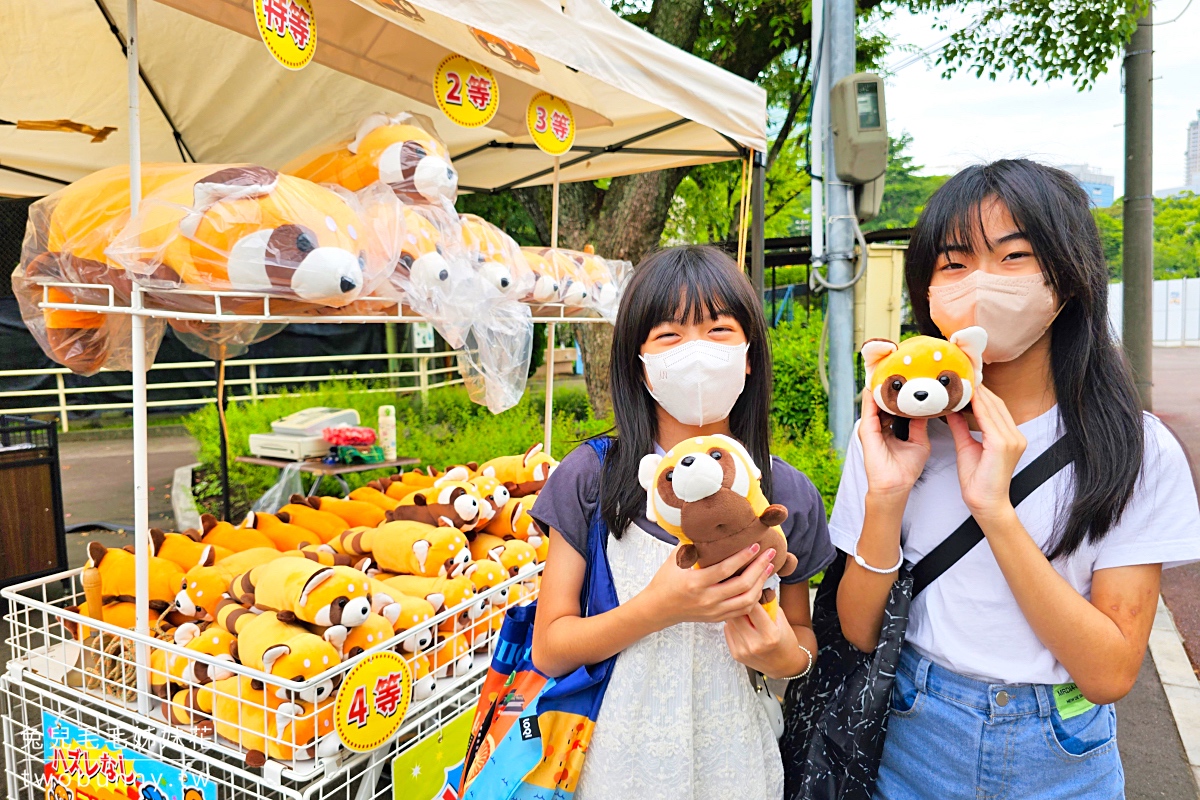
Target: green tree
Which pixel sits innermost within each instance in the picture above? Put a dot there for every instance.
(1176, 236)
(905, 192)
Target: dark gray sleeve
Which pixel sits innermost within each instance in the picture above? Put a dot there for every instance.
(569, 497)
(805, 527)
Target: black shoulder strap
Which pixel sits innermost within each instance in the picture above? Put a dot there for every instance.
(969, 534)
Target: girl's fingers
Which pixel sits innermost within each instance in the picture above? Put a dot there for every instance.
(1000, 410)
(723, 570)
(755, 574)
(961, 432)
(760, 620)
(870, 415)
(918, 432)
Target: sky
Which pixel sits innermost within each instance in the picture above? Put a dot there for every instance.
(966, 120)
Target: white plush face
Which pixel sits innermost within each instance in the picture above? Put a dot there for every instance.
(573, 294)
(436, 180)
(496, 274)
(693, 470)
(329, 275)
(924, 397)
(545, 289)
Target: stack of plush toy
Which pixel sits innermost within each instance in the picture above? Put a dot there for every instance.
(322, 580)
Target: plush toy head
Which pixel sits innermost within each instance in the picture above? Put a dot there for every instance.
(545, 285)
(213, 641)
(517, 557)
(693, 470)
(450, 503)
(401, 150)
(497, 256)
(488, 574)
(495, 496)
(118, 582)
(923, 376)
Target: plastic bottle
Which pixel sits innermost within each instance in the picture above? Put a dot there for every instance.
(387, 431)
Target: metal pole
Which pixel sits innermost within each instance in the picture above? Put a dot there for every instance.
(758, 177)
(1138, 259)
(548, 421)
(816, 131)
(841, 62)
(141, 496)
(222, 438)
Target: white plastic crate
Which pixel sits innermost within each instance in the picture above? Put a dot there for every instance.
(44, 676)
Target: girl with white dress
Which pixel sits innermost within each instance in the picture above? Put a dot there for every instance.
(681, 719)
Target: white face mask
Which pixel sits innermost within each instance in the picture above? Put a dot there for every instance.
(698, 382)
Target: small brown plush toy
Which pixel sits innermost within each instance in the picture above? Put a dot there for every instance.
(706, 493)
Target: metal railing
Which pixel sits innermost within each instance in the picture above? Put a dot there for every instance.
(421, 378)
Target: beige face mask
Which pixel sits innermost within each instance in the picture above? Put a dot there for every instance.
(1015, 311)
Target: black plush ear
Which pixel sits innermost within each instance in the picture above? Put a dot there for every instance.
(193, 534)
(284, 516)
(157, 538)
(208, 557)
(420, 500)
(208, 522)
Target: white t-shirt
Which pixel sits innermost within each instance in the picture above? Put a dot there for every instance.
(968, 620)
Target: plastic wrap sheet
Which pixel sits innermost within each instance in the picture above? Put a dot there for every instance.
(244, 228)
(494, 362)
(402, 150)
(64, 243)
(497, 257)
(584, 280)
(225, 340)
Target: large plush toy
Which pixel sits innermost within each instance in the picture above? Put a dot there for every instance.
(223, 534)
(118, 576)
(449, 503)
(302, 590)
(299, 511)
(497, 257)
(408, 547)
(265, 725)
(516, 556)
(411, 615)
(218, 227)
(185, 549)
(401, 150)
(171, 669)
(515, 522)
(441, 593)
(924, 376)
(290, 652)
(204, 584)
(523, 474)
(374, 496)
(354, 513)
(284, 535)
(705, 491)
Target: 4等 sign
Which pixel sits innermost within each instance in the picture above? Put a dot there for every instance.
(373, 701)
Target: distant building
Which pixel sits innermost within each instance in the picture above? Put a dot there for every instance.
(1191, 169)
(1098, 186)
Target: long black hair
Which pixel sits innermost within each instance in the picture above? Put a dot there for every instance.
(1097, 400)
(680, 284)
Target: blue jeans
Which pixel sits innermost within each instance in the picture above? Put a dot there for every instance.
(952, 737)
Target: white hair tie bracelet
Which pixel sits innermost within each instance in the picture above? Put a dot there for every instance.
(859, 560)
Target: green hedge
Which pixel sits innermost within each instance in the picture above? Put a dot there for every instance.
(447, 429)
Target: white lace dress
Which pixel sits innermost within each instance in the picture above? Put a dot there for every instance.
(680, 719)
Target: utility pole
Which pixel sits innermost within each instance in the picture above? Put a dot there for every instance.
(840, 320)
(1138, 260)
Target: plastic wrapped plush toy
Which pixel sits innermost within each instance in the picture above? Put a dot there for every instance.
(584, 279)
(401, 150)
(925, 376)
(210, 227)
(497, 257)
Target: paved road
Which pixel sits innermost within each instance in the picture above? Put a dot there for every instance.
(98, 479)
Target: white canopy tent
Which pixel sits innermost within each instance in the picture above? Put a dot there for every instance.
(640, 103)
(212, 93)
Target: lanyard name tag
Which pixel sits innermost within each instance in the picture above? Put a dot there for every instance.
(1070, 701)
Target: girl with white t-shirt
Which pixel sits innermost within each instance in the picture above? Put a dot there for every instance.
(1014, 656)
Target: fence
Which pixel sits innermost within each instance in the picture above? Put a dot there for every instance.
(421, 378)
(1175, 311)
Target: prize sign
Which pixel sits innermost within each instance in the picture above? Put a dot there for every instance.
(551, 124)
(288, 29)
(466, 91)
(372, 701)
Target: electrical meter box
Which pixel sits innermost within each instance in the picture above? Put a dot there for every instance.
(858, 119)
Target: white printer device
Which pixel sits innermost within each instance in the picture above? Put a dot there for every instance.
(299, 436)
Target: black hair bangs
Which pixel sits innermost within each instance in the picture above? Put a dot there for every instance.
(688, 286)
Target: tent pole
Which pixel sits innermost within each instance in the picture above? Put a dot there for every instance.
(757, 241)
(141, 512)
(548, 423)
